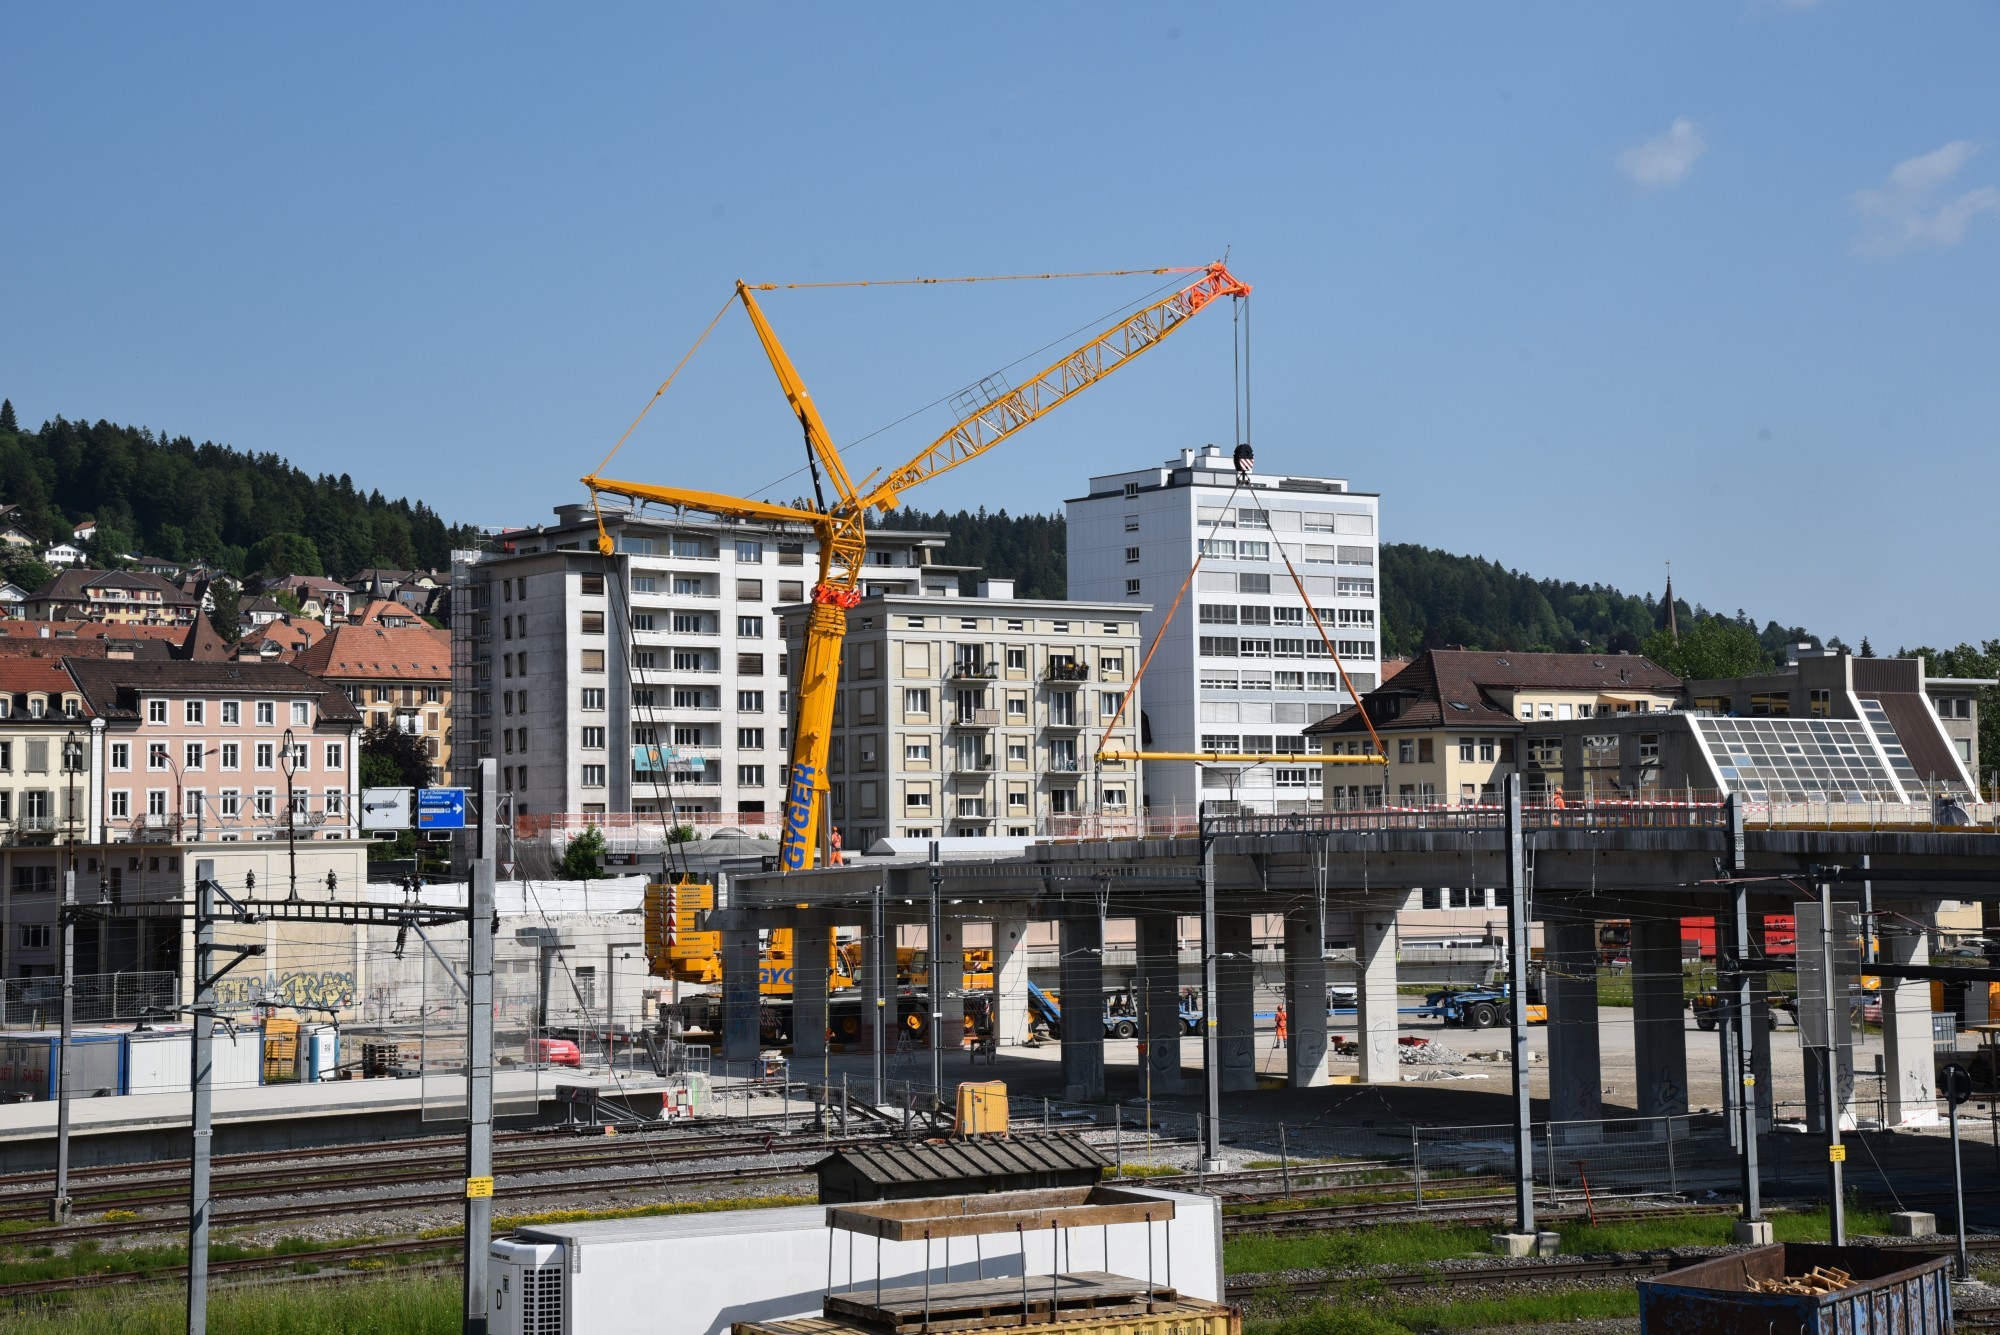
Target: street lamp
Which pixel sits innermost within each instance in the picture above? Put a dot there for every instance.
(72, 762)
(290, 764)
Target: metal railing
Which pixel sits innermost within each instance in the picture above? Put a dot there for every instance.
(36, 1003)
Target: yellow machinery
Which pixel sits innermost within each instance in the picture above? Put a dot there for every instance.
(840, 526)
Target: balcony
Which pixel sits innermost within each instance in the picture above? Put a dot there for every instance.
(1065, 723)
(975, 672)
(979, 766)
(1064, 765)
(1060, 671)
(976, 718)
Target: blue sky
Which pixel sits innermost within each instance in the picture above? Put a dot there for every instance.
(1580, 288)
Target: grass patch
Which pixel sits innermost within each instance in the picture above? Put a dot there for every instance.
(1415, 1244)
(420, 1305)
(1146, 1170)
(1538, 1310)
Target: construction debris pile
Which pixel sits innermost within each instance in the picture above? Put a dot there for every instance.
(1432, 1053)
(1819, 1279)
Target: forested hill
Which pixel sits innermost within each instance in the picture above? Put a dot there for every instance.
(168, 497)
(1430, 598)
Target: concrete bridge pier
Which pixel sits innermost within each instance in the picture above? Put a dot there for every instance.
(1010, 978)
(1306, 1051)
(1157, 994)
(741, 1040)
(1576, 1088)
(1659, 1024)
(1236, 1002)
(948, 958)
(1376, 1020)
(1906, 1022)
(812, 940)
(1082, 995)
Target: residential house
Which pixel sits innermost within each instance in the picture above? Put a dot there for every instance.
(383, 612)
(1450, 723)
(396, 676)
(12, 596)
(259, 612)
(155, 565)
(282, 640)
(85, 532)
(12, 530)
(114, 596)
(58, 555)
(321, 599)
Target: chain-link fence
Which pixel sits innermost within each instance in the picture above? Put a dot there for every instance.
(36, 1003)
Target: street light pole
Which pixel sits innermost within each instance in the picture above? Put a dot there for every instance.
(291, 817)
(59, 1205)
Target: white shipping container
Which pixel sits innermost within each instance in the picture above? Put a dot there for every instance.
(608, 1277)
(161, 1061)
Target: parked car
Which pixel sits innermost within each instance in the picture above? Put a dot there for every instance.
(558, 1052)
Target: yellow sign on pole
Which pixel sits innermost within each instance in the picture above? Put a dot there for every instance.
(478, 1188)
(1836, 1154)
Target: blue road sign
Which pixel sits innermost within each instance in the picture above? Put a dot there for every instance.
(440, 808)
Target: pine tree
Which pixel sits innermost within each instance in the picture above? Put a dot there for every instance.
(1867, 649)
(7, 422)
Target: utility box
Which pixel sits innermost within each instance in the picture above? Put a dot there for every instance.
(1905, 1292)
(982, 1108)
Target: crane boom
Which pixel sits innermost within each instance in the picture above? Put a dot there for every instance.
(841, 526)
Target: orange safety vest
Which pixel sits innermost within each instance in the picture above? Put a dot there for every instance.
(836, 859)
(1281, 1022)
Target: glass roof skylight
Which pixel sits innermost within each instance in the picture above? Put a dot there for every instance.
(1798, 760)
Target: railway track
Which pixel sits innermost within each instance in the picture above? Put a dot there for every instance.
(269, 1175)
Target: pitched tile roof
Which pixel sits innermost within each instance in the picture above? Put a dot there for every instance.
(1448, 687)
(111, 687)
(20, 676)
(76, 584)
(370, 653)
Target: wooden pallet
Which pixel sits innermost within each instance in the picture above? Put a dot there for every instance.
(1819, 1279)
(976, 1303)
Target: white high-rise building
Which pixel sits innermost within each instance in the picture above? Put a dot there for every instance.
(1241, 667)
(651, 681)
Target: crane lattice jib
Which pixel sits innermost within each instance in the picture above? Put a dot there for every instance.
(1056, 385)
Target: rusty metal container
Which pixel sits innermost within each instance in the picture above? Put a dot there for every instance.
(1894, 1293)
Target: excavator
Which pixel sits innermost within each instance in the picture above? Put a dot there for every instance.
(840, 524)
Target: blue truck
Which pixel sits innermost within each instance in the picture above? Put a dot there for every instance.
(1121, 1015)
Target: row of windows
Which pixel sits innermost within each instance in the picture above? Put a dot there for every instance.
(228, 804)
(1231, 646)
(229, 755)
(71, 706)
(1262, 614)
(1300, 521)
(1021, 625)
(229, 713)
(1062, 705)
(1546, 712)
(1214, 680)
(396, 695)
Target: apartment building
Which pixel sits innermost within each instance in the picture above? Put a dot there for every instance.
(1452, 722)
(650, 681)
(195, 752)
(398, 676)
(45, 793)
(118, 597)
(1241, 667)
(973, 717)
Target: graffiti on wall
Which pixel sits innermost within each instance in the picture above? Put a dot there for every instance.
(319, 989)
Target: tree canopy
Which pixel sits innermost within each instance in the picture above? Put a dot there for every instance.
(248, 513)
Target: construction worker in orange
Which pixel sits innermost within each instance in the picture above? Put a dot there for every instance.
(834, 858)
(1283, 1027)
(1556, 803)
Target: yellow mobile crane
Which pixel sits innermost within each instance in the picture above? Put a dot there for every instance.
(840, 526)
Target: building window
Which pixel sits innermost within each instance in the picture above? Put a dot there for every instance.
(750, 739)
(593, 739)
(1131, 588)
(1131, 556)
(749, 665)
(592, 623)
(593, 697)
(749, 552)
(750, 628)
(593, 776)
(194, 711)
(750, 702)
(301, 714)
(593, 660)
(749, 776)
(1821, 703)
(156, 755)
(917, 701)
(917, 802)
(1406, 752)
(1649, 747)
(1131, 523)
(121, 756)
(593, 586)
(121, 803)
(917, 753)
(193, 755)
(156, 711)
(1465, 748)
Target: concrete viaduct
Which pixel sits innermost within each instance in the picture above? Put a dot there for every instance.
(1649, 864)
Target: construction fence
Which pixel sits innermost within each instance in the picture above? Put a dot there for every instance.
(101, 998)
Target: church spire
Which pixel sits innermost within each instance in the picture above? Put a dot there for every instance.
(1673, 624)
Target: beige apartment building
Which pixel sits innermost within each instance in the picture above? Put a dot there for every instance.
(1453, 723)
(978, 717)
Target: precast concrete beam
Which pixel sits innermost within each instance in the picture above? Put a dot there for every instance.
(1082, 999)
(812, 944)
(1236, 1001)
(1906, 1020)
(1375, 1016)
(1659, 1026)
(1576, 1078)
(1158, 998)
(1306, 1049)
